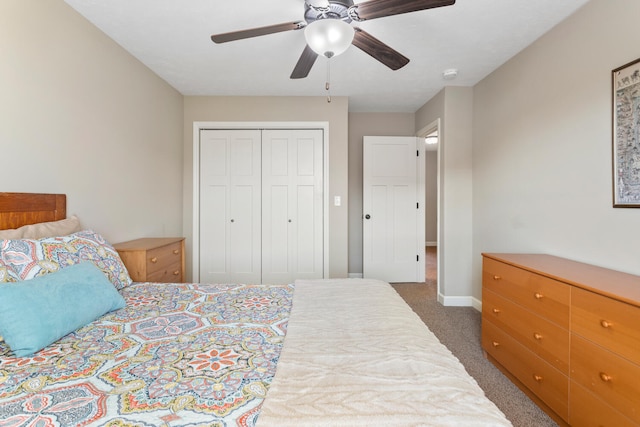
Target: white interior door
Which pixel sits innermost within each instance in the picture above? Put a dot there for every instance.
(230, 203)
(292, 205)
(393, 217)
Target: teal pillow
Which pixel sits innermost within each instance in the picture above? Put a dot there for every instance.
(37, 312)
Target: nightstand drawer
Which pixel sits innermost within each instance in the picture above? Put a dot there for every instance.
(154, 259)
(168, 274)
(159, 259)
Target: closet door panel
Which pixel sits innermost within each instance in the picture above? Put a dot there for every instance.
(275, 256)
(213, 259)
(304, 252)
(292, 219)
(214, 186)
(230, 203)
(242, 229)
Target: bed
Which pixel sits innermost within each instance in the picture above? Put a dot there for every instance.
(338, 352)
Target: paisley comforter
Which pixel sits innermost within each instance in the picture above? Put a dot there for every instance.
(176, 355)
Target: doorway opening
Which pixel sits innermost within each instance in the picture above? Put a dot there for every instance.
(432, 141)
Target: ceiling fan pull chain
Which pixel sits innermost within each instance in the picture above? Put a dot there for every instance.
(327, 85)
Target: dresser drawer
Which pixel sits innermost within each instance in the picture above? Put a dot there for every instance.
(546, 339)
(547, 297)
(587, 410)
(613, 324)
(549, 384)
(614, 379)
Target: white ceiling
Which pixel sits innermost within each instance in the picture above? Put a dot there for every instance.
(172, 38)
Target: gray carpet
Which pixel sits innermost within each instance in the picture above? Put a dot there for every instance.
(458, 328)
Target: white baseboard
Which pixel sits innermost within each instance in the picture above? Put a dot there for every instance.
(468, 301)
(355, 275)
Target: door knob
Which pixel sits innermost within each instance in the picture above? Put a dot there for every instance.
(367, 216)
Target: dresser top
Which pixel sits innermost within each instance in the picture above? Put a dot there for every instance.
(611, 283)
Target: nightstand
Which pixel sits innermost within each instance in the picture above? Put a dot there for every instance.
(154, 259)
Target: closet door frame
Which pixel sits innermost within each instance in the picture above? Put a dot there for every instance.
(199, 126)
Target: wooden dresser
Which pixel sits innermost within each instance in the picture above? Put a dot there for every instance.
(567, 333)
(154, 259)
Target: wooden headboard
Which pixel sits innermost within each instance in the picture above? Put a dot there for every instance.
(18, 209)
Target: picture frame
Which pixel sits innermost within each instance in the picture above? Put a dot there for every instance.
(626, 135)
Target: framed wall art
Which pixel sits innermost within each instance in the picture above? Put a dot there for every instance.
(626, 135)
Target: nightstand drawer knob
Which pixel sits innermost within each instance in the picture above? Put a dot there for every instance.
(176, 251)
(495, 344)
(496, 310)
(154, 260)
(605, 377)
(538, 295)
(537, 377)
(496, 277)
(176, 273)
(605, 324)
(537, 336)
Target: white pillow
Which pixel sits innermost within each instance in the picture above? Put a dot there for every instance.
(63, 227)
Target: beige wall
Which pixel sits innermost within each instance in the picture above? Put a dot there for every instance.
(542, 168)
(453, 106)
(280, 109)
(367, 124)
(79, 115)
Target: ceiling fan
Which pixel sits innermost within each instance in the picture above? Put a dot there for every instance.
(340, 13)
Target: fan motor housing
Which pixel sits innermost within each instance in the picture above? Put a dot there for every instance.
(337, 9)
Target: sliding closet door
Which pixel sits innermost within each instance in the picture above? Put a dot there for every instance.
(292, 210)
(230, 193)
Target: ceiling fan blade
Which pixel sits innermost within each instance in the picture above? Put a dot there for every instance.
(380, 8)
(306, 61)
(378, 50)
(259, 31)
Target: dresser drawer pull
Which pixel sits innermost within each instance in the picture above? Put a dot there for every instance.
(537, 377)
(538, 295)
(176, 251)
(496, 277)
(495, 344)
(154, 260)
(605, 377)
(605, 324)
(176, 273)
(496, 310)
(537, 336)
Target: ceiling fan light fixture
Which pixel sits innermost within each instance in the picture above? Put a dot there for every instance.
(329, 37)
